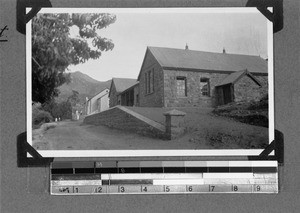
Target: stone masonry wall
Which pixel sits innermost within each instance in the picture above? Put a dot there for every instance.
(154, 99)
(194, 96)
(113, 99)
(246, 89)
(117, 118)
(264, 82)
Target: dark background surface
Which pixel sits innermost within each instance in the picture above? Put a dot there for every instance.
(26, 189)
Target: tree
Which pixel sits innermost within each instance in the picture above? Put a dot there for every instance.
(61, 110)
(54, 49)
(74, 100)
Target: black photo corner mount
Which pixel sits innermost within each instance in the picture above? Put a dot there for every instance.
(277, 146)
(22, 17)
(276, 16)
(24, 148)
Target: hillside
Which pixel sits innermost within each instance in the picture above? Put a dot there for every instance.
(84, 84)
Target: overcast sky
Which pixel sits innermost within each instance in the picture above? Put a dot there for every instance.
(239, 33)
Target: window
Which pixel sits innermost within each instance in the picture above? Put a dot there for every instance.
(204, 86)
(137, 100)
(149, 81)
(181, 86)
(146, 83)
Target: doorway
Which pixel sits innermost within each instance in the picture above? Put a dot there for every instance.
(227, 93)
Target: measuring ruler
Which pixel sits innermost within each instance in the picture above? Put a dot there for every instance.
(157, 177)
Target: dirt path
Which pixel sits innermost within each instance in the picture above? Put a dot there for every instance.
(72, 135)
(204, 131)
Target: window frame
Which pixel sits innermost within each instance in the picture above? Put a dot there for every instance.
(207, 81)
(149, 81)
(181, 78)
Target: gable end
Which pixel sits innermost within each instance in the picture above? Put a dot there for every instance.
(148, 51)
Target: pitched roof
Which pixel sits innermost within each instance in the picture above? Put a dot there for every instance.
(199, 60)
(129, 88)
(235, 76)
(104, 90)
(122, 84)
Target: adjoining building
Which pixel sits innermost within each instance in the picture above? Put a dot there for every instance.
(130, 96)
(123, 91)
(98, 103)
(239, 86)
(186, 78)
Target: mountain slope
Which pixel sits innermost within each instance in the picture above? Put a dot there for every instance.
(84, 85)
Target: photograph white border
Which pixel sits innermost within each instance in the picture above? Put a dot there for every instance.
(150, 153)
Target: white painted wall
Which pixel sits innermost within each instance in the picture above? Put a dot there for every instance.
(98, 103)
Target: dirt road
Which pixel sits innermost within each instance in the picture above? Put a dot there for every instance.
(73, 135)
(204, 131)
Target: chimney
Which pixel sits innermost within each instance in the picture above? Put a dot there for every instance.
(186, 46)
(224, 51)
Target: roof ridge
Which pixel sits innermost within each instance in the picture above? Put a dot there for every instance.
(125, 78)
(195, 59)
(189, 50)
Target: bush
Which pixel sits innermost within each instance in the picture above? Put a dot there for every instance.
(39, 116)
(65, 109)
(262, 104)
(61, 110)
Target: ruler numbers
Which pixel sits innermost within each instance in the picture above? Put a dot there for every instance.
(144, 189)
(150, 189)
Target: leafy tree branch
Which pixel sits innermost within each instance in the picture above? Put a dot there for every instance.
(54, 49)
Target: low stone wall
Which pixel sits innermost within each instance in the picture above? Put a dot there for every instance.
(122, 118)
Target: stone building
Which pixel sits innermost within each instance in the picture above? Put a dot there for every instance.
(130, 96)
(123, 91)
(186, 78)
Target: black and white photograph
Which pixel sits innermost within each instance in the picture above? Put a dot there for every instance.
(149, 106)
(148, 82)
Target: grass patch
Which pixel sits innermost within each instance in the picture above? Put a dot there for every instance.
(225, 141)
(47, 126)
(252, 112)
